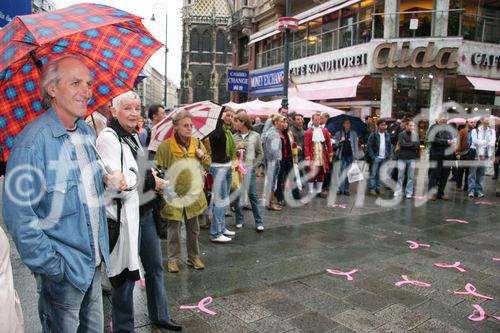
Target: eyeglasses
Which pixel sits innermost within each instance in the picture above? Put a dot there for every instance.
(188, 125)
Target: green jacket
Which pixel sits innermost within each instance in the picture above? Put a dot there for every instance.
(185, 172)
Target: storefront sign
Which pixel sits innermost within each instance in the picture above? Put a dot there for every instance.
(268, 83)
(237, 80)
(10, 9)
(330, 65)
(485, 60)
(386, 56)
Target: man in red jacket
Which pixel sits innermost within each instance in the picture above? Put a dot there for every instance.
(318, 151)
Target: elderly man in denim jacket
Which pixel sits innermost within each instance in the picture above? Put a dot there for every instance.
(53, 202)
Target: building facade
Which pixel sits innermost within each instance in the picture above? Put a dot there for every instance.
(150, 87)
(206, 51)
(391, 58)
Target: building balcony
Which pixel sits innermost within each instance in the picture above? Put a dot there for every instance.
(242, 18)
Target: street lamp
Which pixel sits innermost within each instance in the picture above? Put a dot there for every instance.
(286, 23)
(166, 48)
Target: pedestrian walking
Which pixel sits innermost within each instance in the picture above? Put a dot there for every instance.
(407, 150)
(346, 147)
(379, 149)
(483, 142)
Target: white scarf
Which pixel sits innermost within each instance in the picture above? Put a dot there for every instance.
(318, 134)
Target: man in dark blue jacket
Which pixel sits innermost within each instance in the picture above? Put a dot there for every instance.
(379, 149)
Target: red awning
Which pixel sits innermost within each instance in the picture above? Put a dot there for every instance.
(481, 83)
(333, 89)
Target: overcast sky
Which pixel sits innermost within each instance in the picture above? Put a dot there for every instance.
(144, 9)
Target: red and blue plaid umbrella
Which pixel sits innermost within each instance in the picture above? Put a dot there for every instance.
(113, 43)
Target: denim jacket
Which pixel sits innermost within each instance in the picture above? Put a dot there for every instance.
(42, 206)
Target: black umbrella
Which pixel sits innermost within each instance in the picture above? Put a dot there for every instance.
(334, 124)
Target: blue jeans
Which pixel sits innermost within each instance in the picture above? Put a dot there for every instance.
(345, 163)
(250, 183)
(476, 179)
(151, 258)
(408, 167)
(220, 194)
(374, 183)
(63, 308)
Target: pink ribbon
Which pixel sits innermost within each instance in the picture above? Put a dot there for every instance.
(201, 306)
(406, 280)
(348, 275)
(496, 259)
(458, 221)
(240, 168)
(454, 265)
(470, 289)
(488, 203)
(479, 314)
(111, 325)
(415, 245)
(141, 282)
(343, 206)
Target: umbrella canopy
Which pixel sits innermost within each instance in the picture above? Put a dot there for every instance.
(111, 42)
(205, 115)
(458, 121)
(234, 106)
(334, 124)
(257, 108)
(304, 107)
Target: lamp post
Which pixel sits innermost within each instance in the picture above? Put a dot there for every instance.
(166, 48)
(286, 60)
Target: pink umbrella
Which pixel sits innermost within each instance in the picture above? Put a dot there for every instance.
(458, 121)
(304, 107)
(205, 116)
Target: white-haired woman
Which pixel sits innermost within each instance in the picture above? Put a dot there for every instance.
(271, 141)
(183, 157)
(120, 148)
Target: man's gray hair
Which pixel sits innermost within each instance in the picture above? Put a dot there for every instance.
(118, 99)
(181, 115)
(51, 75)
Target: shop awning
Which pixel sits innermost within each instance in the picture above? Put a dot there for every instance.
(333, 89)
(481, 83)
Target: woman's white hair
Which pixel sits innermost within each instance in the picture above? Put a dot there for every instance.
(118, 99)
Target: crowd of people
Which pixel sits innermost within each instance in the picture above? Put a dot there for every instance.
(94, 207)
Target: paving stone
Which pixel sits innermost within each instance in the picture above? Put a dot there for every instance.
(390, 328)
(336, 286)
(312, 322)
(373, 285)
(283, 307)
(359, 320)
(402, 315)
(404, 297)
(272, 324)
(436, 326)
(251, 313)
(368, 301)
(341, 329)
(325, 304)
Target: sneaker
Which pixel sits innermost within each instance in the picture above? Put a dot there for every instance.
(471, 195)
(480, 195)
(172, 266)
(260, 228)
(221, 239)
(195, 263)
(239, 226)
(409, 196)
(396, 194)
(228, 232)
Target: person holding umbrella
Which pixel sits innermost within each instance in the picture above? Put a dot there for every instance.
(63, 215)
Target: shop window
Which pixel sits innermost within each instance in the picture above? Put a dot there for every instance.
(411, 94)
(417, 22)
(348, 28)
(476, 20)
(314, 37)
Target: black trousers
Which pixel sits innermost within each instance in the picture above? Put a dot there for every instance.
(438, 176)
(286, 167)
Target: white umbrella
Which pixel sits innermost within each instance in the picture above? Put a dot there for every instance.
(304, 107)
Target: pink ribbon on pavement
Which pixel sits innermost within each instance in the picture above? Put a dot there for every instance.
(487, 203)
(201, 306)
(496, 259)
(454, 265)
(343, 206)
(348, 275)
(415, 245)
(406, 280)
(470, 289)
(479, 314)
(458, 221)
